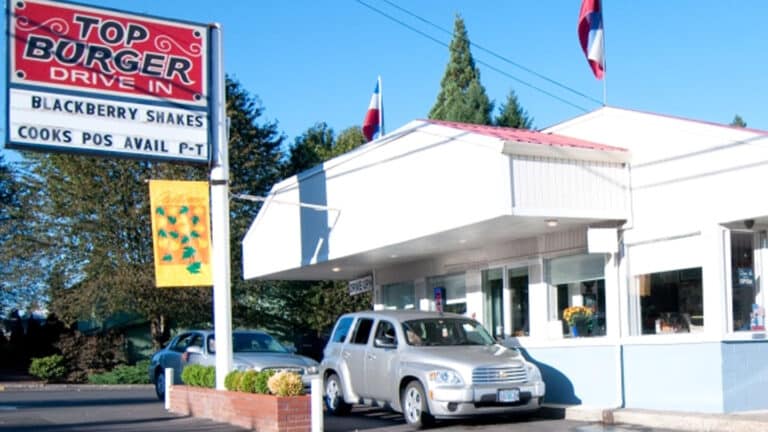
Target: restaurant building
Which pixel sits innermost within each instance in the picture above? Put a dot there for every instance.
(653, 223)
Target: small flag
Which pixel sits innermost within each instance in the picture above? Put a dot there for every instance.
(373, 124)
(181, 233)
(591, 36)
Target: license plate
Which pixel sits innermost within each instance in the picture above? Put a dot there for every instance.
(509, 395)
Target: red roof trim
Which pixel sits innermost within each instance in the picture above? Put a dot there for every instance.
(526, 136)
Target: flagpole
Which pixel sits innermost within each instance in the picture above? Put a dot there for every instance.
(381, 108)
(605, 57)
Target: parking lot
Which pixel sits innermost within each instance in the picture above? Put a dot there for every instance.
(90, 409)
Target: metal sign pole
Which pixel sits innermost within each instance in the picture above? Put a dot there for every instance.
(222, 291)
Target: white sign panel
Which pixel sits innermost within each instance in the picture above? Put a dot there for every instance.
(359, 286)
(89, 125)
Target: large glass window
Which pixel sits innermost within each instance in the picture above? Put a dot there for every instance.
(398, 296)
(493, 300)
(455, 291)
(495, 307)
(577, 293)
(748, 314)
(671, 301)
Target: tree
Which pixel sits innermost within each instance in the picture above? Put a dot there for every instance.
(738, 121)
(88, 221)
(512, 114)
(9, 216)
(462, 98)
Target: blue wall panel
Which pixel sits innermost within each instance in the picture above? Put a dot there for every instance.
(584, 375)
(745, 376)
(679, 377)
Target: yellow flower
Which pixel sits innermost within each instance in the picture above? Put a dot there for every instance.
(576, 313)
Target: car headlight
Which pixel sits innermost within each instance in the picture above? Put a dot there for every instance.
(447, 377)
(534, 374)
(311, 370)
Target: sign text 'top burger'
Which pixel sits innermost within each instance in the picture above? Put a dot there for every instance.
(90, 80)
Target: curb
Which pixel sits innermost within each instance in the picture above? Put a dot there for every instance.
(689, 421)
(38, 386)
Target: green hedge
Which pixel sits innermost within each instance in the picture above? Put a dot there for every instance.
(248, 381)
(199, 376)
(51, 368)
(123, 374)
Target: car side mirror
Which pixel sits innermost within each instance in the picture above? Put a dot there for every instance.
(384, 343)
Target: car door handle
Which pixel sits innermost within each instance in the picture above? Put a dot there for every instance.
(371, 356)
(346, 354)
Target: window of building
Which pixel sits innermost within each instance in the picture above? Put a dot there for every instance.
(671, 301)
(748, 311)
(578, 280)
(496, 309)
(455, 287)
(398, 296)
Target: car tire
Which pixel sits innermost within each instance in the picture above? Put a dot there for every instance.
(160, 384)
(334, 396)
(414, 404)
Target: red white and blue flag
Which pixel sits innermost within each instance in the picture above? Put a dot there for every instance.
(591, 36)
(373, 122)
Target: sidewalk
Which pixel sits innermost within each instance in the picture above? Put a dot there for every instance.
(753, 421)
(15, 380)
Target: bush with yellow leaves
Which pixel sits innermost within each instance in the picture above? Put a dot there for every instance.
(286, 383)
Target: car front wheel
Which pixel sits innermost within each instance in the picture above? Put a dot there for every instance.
(334, 398)
(414, 403)
(160, 384)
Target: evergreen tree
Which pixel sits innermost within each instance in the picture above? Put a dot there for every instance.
(738, 121)
(9, 217)
(462, 98)
(512, 114)
(88, 220)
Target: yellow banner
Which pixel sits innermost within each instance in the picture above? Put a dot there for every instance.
(181, 233)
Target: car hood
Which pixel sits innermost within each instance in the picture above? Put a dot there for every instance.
(271, 360)
(460, 357)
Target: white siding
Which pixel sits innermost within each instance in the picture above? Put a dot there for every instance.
(569, 187)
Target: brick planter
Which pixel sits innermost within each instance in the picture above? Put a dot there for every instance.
(263, 413)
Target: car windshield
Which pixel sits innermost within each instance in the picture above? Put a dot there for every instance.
(446, 332)
(251, 343)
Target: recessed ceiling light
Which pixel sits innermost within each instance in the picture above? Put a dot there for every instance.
(394, 256)
(551, 222)
(336, 269)
(462, 241)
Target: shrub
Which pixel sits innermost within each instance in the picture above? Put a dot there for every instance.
(49, 368)
(232, 380)
(199, 376)
(286, 383)
(123, 374)
(247, 382)
(262, 380)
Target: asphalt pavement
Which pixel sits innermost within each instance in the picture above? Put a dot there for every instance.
(136, 409)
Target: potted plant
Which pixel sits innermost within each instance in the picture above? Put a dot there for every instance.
(579, 319)
(262, 401)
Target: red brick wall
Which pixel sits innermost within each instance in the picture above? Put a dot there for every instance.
(263, 413)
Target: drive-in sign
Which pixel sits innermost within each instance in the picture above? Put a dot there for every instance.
(91, 80)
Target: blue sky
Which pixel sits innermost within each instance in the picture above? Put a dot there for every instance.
(311, 61)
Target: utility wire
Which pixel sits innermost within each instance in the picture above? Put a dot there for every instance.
(494, 54)
(508, 75)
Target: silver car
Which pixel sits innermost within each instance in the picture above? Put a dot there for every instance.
(250, 350)
(426, 365)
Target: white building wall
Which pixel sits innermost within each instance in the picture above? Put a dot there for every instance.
(561, 187)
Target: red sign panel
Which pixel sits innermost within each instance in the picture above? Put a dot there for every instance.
(81, 48)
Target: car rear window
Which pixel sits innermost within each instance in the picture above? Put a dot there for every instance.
(342, 329)
(362, 331)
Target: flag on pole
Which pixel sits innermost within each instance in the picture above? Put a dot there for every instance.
(373, 124)
(591, 36)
